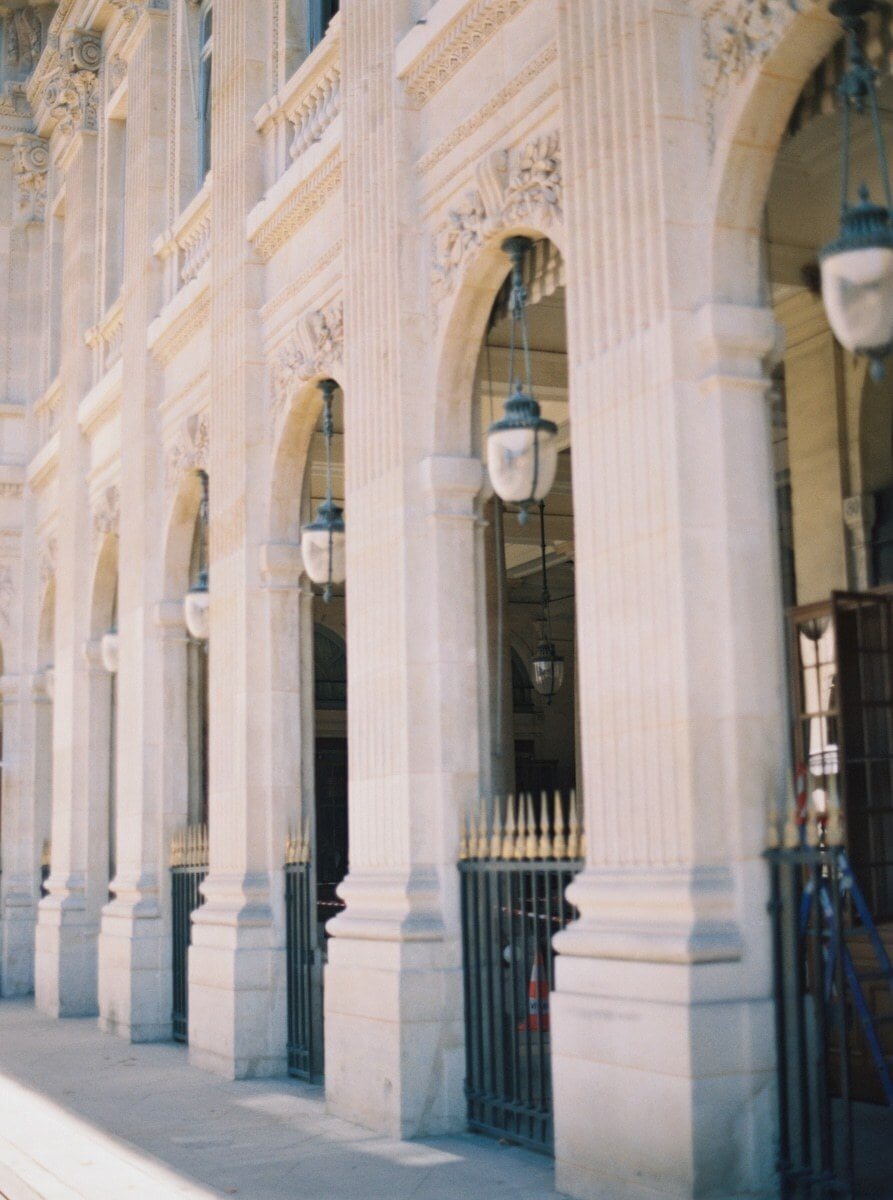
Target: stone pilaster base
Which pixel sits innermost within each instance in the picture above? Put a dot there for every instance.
(664, 1087)
(135, 972)
(65, 968)
(237, 998)
(17, 968)
(395, 1039)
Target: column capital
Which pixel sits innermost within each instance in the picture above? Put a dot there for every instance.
(71, 94)
(31, 161)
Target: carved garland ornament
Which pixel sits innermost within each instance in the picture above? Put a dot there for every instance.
(7, 593)
(316, 346)
(31, 164)
(190, 451)
(528, 194)
(736, 37)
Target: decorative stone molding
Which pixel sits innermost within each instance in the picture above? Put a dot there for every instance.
(11, 491)
(131, 9)
(529, 194)
(107, 513)
(304, 202)
(455, 46)
(71, 95)
(315, 347)
(497, 101)
(736, 36)
(30, 166)
(191, 449)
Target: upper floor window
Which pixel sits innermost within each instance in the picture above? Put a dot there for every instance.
(306, 22)
(319, 16)
(206, 47)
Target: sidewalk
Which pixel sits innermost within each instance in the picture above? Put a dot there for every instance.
(85, 1116)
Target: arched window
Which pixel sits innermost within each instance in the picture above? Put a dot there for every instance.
(197, 696)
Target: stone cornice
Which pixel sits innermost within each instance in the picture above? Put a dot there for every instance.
(288, 207)
(64, 90)
(447, 45)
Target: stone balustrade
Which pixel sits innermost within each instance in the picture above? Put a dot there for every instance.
(300, 113)
(186, 247)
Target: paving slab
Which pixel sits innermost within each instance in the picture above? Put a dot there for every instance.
(85, 1116)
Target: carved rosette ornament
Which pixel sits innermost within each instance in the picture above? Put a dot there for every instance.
(31, 161)
(315, 347)
(737, 35)
(524, 191)
(72, 94)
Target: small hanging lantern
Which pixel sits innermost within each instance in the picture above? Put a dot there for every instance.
(323, 541)
(522, 447)
(196, 606)
(108, 651)
(548, 665)
(857, 268)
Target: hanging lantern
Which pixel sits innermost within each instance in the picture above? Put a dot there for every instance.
(522, 447)
(108, 651)
(857, 268)
(548, 665)
(323, 541)
(196, 606)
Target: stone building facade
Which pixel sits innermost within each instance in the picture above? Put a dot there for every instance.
(206, 211)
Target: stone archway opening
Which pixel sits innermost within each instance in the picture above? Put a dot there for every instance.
(833, 461)
(522, 843)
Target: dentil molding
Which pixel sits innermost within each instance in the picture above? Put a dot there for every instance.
(524, 190)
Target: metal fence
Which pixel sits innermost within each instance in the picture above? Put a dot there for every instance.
(189, 867)
(304, 1009)
(825, 1020)
(516, 864)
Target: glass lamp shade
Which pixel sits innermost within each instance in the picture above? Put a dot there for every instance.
(323, 546)
(108, 651)
(548, 670)
(857, 281)
(196, 610)
(522, 451)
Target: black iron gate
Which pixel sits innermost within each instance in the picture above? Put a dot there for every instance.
(189, 867)
(304, 1010)
(516, 864)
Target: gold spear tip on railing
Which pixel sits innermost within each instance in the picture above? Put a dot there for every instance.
(545, 849)
(483, 830)
(531, 846)
(791, 831)
(560, 846)
(773, 837)
(834, 828)
(508, 842)
(496, 835)
(813, 829)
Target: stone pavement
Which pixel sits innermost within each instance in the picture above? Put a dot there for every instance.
(85, 1116)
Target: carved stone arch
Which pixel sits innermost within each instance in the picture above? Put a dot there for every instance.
(291, 456)
(517, 191)
(463, 327)
(749, 103)
(313, 350)
(189, 451)
(105, 586)
(180, 536)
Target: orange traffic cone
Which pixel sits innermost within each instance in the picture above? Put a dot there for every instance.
(537, 999)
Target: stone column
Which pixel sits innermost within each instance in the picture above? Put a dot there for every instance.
(19, 880)
(67, 926)
(394, 1026)
(662, 1021)
(134, 947)
(237, 959)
